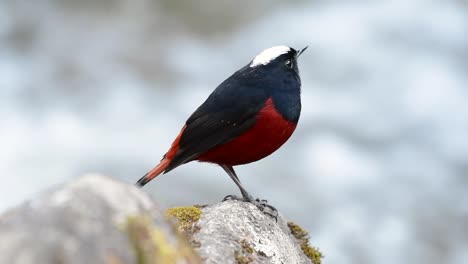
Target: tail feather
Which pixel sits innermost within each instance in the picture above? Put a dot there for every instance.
(164, 164)
(160, 168)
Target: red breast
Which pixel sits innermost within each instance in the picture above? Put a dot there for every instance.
(270, 131)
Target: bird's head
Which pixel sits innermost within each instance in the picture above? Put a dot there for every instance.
(279, 59)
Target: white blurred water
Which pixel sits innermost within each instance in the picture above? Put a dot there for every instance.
(376, 171)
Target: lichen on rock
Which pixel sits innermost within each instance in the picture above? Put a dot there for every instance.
(244, 255)
(241, 258)
(303, 237)
(186, 216)
(151, 245)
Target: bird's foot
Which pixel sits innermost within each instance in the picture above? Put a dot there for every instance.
(267, 209)
(262, 205)
(233, 197)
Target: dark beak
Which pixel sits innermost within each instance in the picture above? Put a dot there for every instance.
(300, 52)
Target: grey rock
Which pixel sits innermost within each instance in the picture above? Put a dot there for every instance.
(87, 221)
(233, 232)
(96, 219)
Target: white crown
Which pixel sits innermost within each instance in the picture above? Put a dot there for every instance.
(268, 55)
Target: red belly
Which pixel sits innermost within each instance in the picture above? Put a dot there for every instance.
(268, 134)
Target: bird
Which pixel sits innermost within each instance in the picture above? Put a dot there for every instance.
(246, 118)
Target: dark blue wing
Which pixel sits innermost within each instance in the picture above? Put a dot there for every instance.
(227, 113)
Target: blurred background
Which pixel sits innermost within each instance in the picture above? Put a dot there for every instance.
(377, 170)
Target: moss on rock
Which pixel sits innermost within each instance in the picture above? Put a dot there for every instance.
(187, 218)
(241, 258)
(244, 255)
(246, 246)
(247, 254)
(151, 244)
(303, 237)
(186, 215)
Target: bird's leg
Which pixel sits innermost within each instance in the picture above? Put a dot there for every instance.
(246, 197)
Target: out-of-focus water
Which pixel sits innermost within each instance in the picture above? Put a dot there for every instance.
(377, 169)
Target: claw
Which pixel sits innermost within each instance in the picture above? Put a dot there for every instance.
(232, 197)
(261, 204)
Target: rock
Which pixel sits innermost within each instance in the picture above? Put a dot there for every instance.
(92, 220)
(99, 220)
(238, 233)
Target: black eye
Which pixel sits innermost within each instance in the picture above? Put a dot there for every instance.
(288, 64)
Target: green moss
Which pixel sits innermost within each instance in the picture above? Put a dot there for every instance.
(312, 253)
(244, 255)
(245, 246)
(297, 231)
(241, 258)
(303, 237)
(186, 216)
(151, 244)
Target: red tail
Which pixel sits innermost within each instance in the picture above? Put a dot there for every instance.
(161, 167)
(154, 172)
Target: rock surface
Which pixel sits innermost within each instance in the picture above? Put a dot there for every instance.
(254, 237)
(92, 220)
(99, 220)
